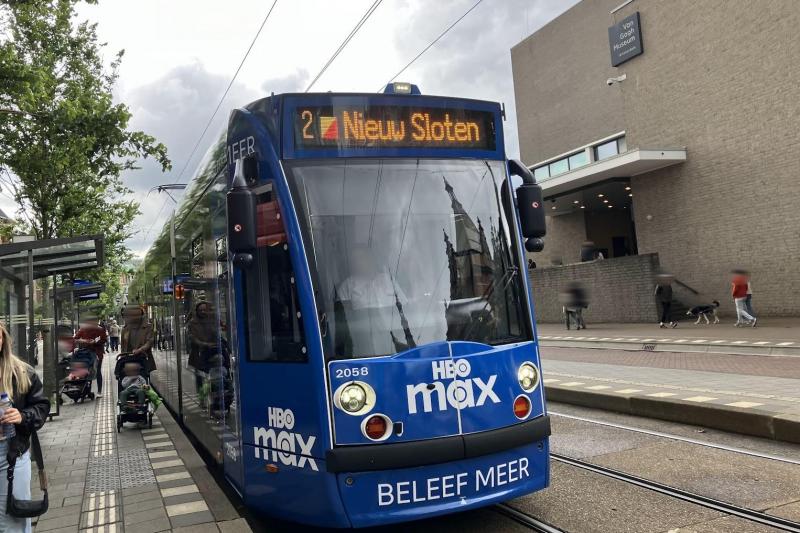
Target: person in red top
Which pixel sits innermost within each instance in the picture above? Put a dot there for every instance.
(739, 293)
(92, 336)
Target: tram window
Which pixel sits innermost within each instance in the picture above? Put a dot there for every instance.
(275, 328)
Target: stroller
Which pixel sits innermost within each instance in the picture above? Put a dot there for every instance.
(80, 366)
(132, 411)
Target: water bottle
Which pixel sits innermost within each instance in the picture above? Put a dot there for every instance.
(8, 429)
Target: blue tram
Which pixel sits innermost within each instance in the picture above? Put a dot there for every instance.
(342, 317)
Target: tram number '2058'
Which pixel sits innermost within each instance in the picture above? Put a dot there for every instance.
(352, 372)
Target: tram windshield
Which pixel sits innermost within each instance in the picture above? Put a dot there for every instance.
(409, 252)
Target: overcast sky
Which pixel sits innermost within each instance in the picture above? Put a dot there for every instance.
(181, 54)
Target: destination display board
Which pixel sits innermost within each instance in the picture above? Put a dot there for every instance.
(384, 126)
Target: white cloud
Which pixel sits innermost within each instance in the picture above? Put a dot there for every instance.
(179, 59)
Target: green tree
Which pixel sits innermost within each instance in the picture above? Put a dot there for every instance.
(64, 142)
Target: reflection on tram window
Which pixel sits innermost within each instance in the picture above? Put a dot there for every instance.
(410, 252)
(209, 358)
(275, 323)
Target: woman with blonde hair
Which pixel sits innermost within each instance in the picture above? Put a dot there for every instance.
(28, 414)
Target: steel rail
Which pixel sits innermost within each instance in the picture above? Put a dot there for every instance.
(534, 524)
(690, 440)
(680, 494)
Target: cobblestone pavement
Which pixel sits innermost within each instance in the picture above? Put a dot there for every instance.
(133, 482)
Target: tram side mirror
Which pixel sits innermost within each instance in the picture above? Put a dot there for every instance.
(241, 203)
(529, 202)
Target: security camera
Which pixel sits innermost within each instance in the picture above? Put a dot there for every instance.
(612, 81)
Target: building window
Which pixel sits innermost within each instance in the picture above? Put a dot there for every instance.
(606, 150)
(578, 160)
(610, 148)
(541, 173)
(559, 167)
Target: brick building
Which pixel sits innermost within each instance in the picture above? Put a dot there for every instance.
(689, 149)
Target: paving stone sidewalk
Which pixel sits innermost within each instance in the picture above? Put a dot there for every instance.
(779, 395)
(766, 406)
(136, 481)
(773, 336)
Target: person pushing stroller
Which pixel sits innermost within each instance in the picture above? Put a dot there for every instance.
(91, 336)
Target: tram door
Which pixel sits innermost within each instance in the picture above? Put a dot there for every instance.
(231, 438)
(273, 366)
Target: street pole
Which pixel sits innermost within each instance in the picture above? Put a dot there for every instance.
(31, 336)
(174, 329)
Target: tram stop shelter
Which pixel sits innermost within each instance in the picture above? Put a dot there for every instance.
(26, 260)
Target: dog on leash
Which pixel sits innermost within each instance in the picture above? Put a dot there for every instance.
(704, 311)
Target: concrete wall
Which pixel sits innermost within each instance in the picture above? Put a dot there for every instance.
(733, 99)
(718, 77)
(602, 226)
(619, 289)
(559, 82)
(559, 244)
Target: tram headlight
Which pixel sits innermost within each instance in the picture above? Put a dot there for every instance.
(528, 376)
(354, 398)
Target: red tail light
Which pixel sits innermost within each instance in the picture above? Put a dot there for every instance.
(375, 428)
(522, 407)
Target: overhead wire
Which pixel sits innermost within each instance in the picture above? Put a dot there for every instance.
(433, 42)
(346, 41)
(214, 114)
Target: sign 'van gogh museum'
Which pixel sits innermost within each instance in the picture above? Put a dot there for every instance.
(625, 40)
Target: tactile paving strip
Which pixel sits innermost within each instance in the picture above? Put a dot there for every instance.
(102, 474)
(135, 469)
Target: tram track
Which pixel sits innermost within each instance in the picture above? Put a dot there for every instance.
(680, 438)
(532, 523)
(683, 495)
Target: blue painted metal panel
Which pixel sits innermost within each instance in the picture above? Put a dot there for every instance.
(490, 397)
(374, 498)
(402, 394)
(428, 389)
(299, 494)
(277, 395)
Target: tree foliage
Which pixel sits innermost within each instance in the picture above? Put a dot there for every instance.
(64, 142)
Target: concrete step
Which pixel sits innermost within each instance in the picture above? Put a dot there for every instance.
(718, 412)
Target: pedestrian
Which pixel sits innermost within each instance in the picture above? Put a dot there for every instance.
(28, 413)
(663, 296)
(748, 302)
(574, 299)
(104, 325)
(588, 251)
(137, 335)
(739, 293)
(113, 335)
(531, 264)
(91, 336)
